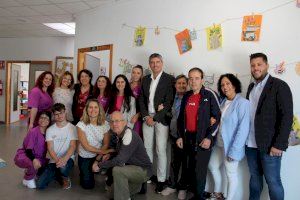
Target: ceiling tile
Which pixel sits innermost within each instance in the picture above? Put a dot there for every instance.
(63, 18)
(15, 20)
(74, 7)
(42, 19)
(5, 12)
(48, 9)
(22, 11)
(9, 3)
(28, 27)
(94, 3)
(33, 2)
(63, 1)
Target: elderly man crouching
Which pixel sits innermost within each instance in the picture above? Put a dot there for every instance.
(132, 166)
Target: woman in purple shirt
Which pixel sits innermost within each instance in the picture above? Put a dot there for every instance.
(32, 155)
(135, 84)
(102, 91)
(40, 97)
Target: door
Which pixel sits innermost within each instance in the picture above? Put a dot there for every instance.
(15, 88)
(36, 68)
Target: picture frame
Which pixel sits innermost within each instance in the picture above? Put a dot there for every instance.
(63, 64)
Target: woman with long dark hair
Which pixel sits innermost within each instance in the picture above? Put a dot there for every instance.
(83, 92)
(40, 97)
(135, 84)
(102, 90)
(122, 99)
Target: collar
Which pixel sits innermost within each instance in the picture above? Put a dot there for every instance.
(122, 134)
(263, 82)
(158, 76)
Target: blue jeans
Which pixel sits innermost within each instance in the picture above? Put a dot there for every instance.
(52, 173)
(262, 164)
(87, 180)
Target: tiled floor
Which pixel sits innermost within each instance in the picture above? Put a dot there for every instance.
(11, 188)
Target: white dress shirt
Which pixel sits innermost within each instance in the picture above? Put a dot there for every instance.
(153, 86)
(254, 98)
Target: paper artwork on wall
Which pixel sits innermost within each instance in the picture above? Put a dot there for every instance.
(214, 37)
(183, 40)
(193, 34)
(126, 66)
(280, 68)
(139, 36)
(297, 68)
(294, 138)
(251, 28)
(62, 64)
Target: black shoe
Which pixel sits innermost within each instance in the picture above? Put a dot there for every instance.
(159, 187)
(207, 195)
(144, 188)
(153, 180)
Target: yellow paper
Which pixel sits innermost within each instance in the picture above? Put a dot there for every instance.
(214, 37)
(139, 36)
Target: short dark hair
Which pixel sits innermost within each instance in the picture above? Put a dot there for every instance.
(259, 55)
(58, 107)
(155, 55)
(234, 81)
(180, 77)
(88, 72)
(198, 70)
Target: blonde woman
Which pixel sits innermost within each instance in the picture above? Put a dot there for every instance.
(93, 140)
(64, 93)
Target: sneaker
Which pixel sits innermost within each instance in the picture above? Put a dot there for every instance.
(218, 196)
(24, 182)
(181, 194)
(143, 189)
(159, 187)
(31, 184)
(66, 183)
(167, 191)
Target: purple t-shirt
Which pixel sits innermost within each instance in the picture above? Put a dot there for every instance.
(104, 102)
(39, 99)
(35, 140)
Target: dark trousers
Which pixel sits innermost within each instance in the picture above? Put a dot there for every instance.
(196, 165)
(51, 173)
(262, 164)
(177, 156)
(87, 180)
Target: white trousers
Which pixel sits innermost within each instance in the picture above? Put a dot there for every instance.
(217, 159)
(160, 134)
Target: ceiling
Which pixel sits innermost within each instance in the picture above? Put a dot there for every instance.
(23, 18)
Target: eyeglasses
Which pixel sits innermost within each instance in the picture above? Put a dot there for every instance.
(116, 121)
(45, 118)
(58, 113)
(67, 79)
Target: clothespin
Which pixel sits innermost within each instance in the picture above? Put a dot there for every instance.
(157, 31)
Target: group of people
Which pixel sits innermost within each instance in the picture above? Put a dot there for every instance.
(122, 128)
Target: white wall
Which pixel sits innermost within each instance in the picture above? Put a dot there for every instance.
(280, 40)
(40, 48)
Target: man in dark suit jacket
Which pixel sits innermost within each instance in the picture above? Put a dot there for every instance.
(271, 121)
(157, 90)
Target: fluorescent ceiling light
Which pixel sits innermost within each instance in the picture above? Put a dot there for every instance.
(67, 28)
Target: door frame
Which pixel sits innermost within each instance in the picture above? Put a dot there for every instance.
(8, 83)
(81, 64)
